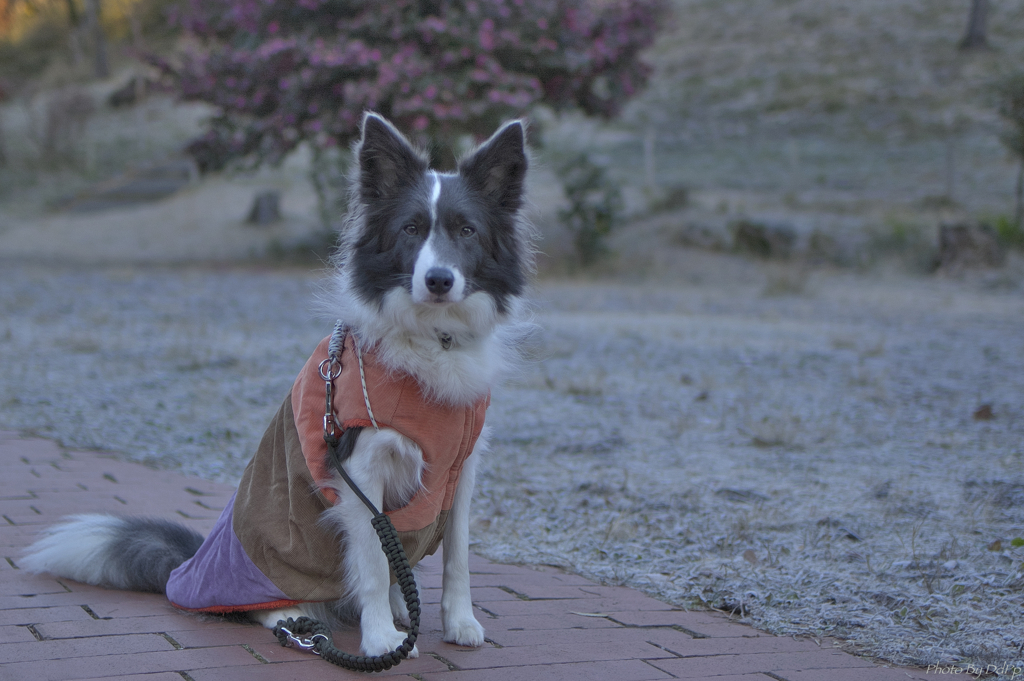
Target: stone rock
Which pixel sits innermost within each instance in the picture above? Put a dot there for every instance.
(965, 246)
(764, 240)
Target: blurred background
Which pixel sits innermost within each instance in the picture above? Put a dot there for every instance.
(781, 294)
(837, 132)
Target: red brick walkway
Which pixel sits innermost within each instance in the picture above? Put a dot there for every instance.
(542, 624)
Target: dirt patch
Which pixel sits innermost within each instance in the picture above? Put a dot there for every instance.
(202, 222)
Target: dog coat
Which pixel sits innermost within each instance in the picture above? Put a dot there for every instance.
(269, 548)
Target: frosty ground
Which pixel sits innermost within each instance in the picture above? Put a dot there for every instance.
(809, 461)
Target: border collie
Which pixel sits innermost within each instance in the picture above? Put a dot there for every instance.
(429, 280)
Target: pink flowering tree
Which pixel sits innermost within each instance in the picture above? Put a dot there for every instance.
(281, 72)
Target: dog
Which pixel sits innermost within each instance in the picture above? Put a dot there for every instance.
(429, 280)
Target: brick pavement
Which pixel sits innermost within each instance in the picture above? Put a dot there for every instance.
(542, 624)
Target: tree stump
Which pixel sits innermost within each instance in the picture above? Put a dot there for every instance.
(131, 93)
(976, 36)
(266, 208)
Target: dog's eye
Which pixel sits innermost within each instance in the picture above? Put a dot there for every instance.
(411, 230)
(467, 231)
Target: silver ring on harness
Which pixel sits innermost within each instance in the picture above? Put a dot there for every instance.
(333, 370)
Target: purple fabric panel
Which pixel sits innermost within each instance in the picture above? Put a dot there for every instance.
(221, 574)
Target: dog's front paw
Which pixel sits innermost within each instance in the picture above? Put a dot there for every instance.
(464, 631)
(270, 618)
(383, 642)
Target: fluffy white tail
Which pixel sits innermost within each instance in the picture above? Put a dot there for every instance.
(130, 553)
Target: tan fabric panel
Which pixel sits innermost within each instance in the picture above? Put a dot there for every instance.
(276, 514)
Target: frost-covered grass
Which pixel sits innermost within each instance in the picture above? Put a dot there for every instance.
(808, 461)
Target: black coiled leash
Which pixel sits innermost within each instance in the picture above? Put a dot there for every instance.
(309, 634)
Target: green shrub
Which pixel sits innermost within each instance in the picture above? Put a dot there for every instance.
(1010, 232)
(595, 206)
(282, 72)
(1010, 93)
(912, 243)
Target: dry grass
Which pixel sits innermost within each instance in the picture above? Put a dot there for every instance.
(839, 119)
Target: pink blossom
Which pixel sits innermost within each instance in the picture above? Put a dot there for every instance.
(287, 70)
(486, 35)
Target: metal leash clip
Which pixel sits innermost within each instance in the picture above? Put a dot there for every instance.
(330, 369)
(304, 643)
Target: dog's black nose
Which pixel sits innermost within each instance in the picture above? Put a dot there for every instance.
(440, 280)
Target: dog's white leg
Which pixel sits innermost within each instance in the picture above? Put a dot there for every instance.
(399, 610)
(376, 460)
(460, 626)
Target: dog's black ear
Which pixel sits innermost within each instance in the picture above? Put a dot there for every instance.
(386, 159)
(498, 167)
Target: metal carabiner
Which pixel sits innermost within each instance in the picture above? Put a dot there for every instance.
(330, 425)
(304, 643)
(329, 370)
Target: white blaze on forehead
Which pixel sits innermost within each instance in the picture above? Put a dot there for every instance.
(435, 194)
